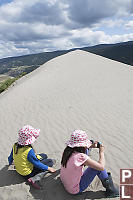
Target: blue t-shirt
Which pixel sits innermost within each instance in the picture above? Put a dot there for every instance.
(31, 158)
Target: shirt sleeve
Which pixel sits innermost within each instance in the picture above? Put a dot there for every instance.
(80, 159)
(33, 159)
(10, 158)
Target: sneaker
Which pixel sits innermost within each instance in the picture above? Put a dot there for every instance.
(35, 184)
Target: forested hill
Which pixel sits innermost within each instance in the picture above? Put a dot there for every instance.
(122, 52)
(14, 66)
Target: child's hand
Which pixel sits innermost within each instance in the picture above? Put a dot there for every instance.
(101, 149)
(94, 145)
(52, 170)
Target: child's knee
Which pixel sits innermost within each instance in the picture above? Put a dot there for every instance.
(43, 155)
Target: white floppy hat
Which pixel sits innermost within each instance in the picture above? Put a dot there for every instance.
(79, 138)
(27, 135)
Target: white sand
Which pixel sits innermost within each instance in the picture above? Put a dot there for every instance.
(78, 90)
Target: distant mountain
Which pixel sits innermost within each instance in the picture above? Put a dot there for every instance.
(14, 66)
(122, 52)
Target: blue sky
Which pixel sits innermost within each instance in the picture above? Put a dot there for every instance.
(46, 25)
(5, 2)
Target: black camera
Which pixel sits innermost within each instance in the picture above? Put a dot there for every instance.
(98, 143)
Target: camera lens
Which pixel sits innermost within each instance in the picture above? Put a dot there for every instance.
(98, 144)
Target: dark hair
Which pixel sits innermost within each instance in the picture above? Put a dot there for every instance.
(17, 146)
(68, 151)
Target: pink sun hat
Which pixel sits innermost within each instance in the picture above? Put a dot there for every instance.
(79, 138)
(27, 135)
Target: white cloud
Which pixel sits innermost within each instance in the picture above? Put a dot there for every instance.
(129, 24)
(111, 23)
(8, 49)
(87, 37)
(38, 25)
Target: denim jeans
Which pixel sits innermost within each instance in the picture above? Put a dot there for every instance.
(88, 176)
(45, 161)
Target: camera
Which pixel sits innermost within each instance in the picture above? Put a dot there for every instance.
(98, 143)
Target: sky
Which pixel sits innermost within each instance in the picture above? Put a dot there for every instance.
(33, 26)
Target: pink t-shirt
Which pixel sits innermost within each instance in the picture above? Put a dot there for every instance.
(71, 175)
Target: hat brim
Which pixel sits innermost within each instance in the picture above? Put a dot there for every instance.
(36, 133)
(87, 144)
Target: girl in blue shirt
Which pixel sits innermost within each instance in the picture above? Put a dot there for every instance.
(26, 162)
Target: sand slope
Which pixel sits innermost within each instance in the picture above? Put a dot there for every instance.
(78, 90)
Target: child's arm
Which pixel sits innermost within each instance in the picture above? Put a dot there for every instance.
(10, 158)
(33, 159)
(97, 165)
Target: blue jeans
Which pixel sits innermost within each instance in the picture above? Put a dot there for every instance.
(88, 176)
(45, 161)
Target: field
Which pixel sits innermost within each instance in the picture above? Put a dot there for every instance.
(4, 77)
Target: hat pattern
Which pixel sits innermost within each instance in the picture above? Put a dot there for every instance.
(28, 135)
(79, 138)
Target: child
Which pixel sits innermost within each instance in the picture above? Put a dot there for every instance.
(26, 162)
(74, 158)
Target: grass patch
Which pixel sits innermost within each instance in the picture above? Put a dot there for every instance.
(4, 77)
(5, 84)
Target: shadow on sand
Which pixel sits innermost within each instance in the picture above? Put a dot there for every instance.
(9, 177)
(52, 187)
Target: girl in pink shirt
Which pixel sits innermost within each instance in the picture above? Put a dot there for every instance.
(75, 157)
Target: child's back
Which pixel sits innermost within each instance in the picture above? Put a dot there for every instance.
(22, 165)
(71, 175)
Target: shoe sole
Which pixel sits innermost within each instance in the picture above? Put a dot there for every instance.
(33, 184)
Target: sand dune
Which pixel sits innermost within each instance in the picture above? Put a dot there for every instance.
(78, 90)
